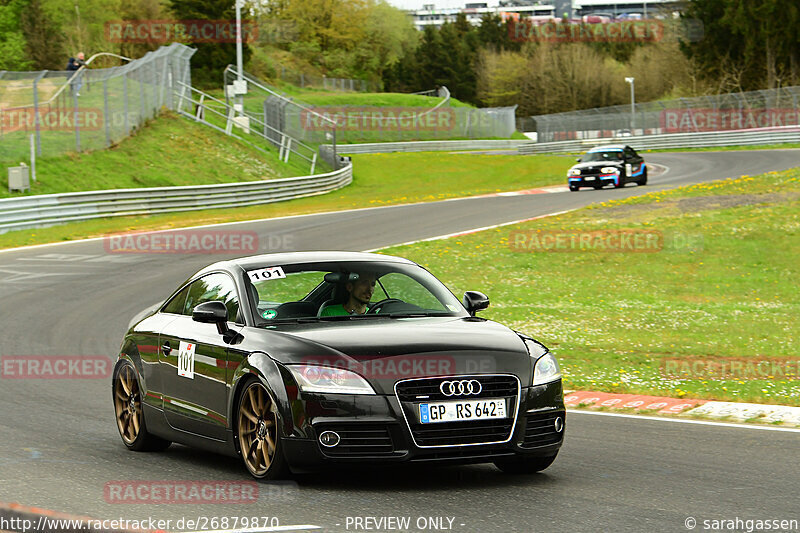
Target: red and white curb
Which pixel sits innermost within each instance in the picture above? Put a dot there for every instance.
(662, 405)
(638, 402)
(750, 411)
(541, 190)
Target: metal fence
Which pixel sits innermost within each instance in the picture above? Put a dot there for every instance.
(365, 124)
(88, 109)
(753, 137)
(260, 104)
(53, 209)
(330, 84)
(430, 146)
(316, 124)
(222, 116)
(723, 112)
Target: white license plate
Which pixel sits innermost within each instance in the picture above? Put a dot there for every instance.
(462, 410)
(588, 178)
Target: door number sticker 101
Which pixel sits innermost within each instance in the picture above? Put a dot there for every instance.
(186, 359)
(266, 273)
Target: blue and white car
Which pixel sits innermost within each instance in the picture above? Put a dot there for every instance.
(612, 164)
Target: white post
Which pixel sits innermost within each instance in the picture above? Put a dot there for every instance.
(239, 66)
(633, 106)
(33, 157)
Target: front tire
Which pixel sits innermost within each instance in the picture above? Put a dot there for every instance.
(258, 429)
(574, 188)
(525, 465)
(128, 409)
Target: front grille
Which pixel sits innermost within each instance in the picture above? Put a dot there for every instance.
(358, 439)
(428, 388)
(458, 433)
(540, 429)
(412, 392)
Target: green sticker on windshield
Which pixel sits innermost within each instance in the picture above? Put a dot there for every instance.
(269, 314)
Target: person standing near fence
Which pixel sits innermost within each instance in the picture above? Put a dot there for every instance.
(72, 66)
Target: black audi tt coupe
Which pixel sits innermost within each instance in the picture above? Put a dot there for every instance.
(296, 361)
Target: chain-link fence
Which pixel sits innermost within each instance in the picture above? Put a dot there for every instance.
(87, 109)
(256, 104)
(723, 112)
(303, 80)
(366, 124)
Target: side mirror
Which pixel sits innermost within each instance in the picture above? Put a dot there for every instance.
(578, 160)
(475, 301)
(212, 313)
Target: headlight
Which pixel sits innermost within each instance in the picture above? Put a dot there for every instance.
(609, 170)
(545, 366)
(313, 378)
(546, 370)
(574, 172)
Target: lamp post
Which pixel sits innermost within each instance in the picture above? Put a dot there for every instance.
(239, 66)
(633, 105)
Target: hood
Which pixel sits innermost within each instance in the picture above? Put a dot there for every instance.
(385, 351)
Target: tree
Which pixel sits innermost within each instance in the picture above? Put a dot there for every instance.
(210, 60)
(12, 38)
(746, 44)
(45, 44)
(494, 34)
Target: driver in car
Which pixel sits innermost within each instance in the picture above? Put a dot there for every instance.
(359, 295)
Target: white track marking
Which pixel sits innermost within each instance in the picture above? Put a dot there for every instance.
(467, 232)
(683, 421)
(238, 222)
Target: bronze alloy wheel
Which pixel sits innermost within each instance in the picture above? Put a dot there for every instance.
(258, 432)
(128, 411)
(127, 404)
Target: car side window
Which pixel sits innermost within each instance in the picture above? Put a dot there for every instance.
(213, 287)
(629, 153)
(177, 304)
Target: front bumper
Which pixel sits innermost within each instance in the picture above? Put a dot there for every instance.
(374, 430)
(593, 181)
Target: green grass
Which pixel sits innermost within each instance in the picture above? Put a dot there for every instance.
(169, 151)
(724, 285)
(379, 179)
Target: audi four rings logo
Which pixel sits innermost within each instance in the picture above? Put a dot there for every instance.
(465, 387)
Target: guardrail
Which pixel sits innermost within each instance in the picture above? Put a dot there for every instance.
(427, 146)
(673, 140)
(53, 209)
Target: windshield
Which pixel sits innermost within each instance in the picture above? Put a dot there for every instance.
(347, 291)
(612, 155)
